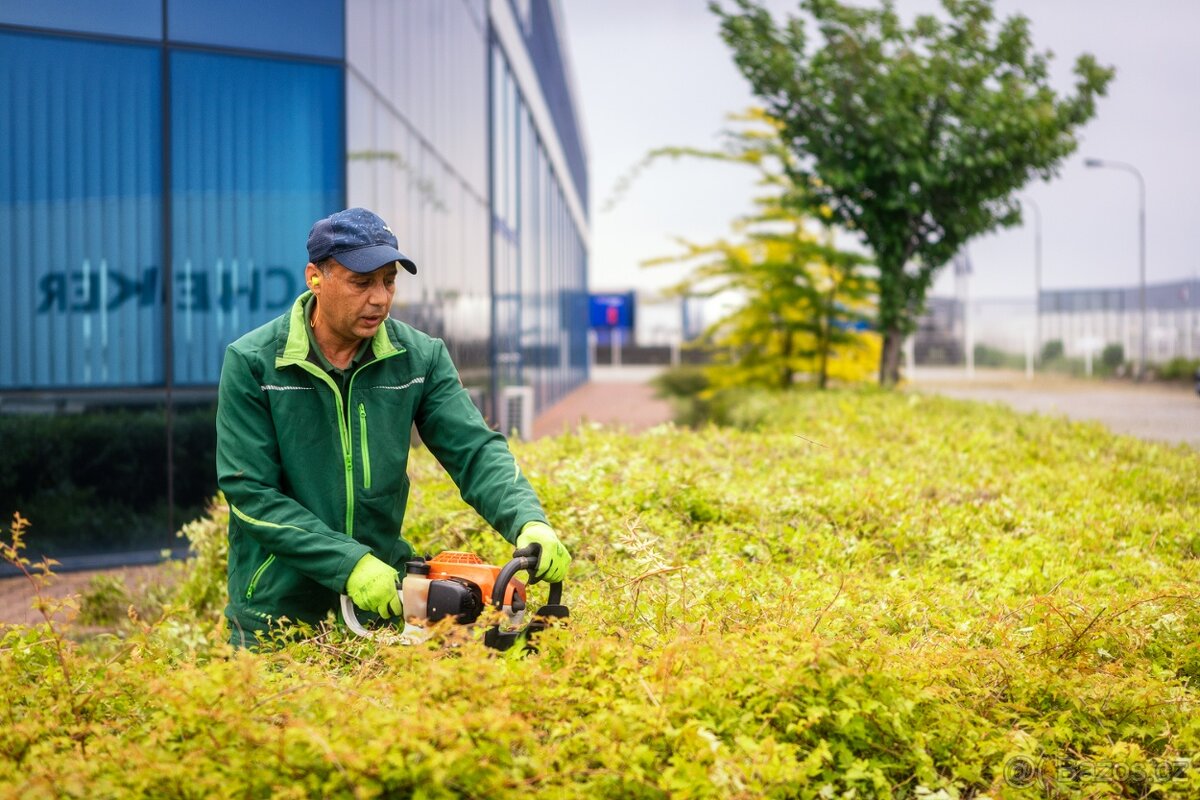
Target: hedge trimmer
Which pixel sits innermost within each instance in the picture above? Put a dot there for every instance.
(461, 586)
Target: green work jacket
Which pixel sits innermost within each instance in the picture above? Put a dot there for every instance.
(314, 483)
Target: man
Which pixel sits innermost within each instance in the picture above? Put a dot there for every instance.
(314, 417)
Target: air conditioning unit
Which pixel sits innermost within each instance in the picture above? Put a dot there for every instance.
(516, 411)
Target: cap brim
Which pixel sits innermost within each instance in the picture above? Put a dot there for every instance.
(369, 259)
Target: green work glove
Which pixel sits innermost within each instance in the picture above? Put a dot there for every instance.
(554, 558)
(374, 586)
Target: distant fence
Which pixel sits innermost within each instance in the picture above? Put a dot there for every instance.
(648, 355)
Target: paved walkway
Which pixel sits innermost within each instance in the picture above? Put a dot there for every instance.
(616, 396)
(17, 594)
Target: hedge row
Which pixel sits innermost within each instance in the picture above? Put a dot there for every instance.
(848, 594)
(98, 481)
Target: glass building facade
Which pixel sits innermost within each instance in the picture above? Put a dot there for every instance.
(469, 146)
(161, 162)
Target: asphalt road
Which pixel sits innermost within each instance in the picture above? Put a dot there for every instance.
(1152, 411)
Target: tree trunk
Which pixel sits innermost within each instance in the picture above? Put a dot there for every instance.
(889, 361)
(785, 376)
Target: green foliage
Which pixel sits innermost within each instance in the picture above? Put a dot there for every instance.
(1179, 369)
(696, 402)
(202, 585)
(97, 480)
(986, 356)
(1055, 360)
(687, 380)
(687, 388)
(914, 137)
(105, 601)
(1112, 357)
(800, 297)
(1052, 350)
(839, 594)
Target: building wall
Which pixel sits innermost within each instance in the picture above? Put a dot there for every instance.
(1082, 319)
(167, 152)
(162, 161)
(540, 29)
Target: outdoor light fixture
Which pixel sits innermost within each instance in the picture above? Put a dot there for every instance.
(1037, 274)
(1096, 162)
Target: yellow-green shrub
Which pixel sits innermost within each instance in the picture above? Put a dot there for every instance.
(843, 594)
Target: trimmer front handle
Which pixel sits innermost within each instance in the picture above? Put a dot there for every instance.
(524, 560)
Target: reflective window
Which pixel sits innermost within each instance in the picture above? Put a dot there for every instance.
(303, 27)
(141, 19)
(256, 158)
(540, 264)
(80, 213)
(417, 136)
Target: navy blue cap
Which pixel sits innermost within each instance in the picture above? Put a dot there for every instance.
(358, 239)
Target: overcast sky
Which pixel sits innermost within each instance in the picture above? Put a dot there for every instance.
(651, 73)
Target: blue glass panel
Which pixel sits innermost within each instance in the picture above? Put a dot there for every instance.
(257, 156)
(141, 19)
(80, 213)
(304, 27)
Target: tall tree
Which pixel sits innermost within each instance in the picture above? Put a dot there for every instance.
(915, 137)
(801, 299)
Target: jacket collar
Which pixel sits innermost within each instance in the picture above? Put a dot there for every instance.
(294, 347)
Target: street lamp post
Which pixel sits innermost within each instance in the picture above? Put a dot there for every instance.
(1037, 275)
(1096, 162)
(962, 275)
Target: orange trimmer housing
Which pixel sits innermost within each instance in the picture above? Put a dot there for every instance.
(470, 567)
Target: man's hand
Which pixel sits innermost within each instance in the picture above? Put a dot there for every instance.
(554, 558)
(374, 586)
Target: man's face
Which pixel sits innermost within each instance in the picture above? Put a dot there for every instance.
(353, 305)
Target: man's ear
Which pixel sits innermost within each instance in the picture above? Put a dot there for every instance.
(312, 276)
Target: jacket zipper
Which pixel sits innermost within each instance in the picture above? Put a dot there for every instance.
(345, 426)
(344, 432)
(258, 573)
(362, 439)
